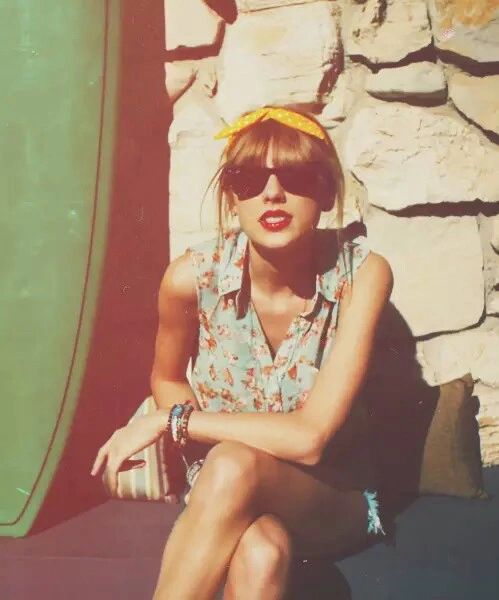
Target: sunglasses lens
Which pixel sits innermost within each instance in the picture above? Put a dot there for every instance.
(298, 180)
(305, 180)
(246, 182)
(302, 180)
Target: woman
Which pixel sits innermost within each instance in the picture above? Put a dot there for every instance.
(279, 319)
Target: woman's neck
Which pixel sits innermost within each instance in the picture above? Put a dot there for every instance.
(290, 271)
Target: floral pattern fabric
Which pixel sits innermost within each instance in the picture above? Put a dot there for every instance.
(234, 369)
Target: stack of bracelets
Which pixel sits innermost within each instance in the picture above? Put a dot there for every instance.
(176, 428)
(176, 433)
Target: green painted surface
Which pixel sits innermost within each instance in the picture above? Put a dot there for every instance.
(59, 64)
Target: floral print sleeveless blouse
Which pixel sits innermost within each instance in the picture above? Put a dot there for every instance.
(234, 369)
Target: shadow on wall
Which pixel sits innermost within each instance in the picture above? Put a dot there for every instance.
(117, 373)
(401, 406)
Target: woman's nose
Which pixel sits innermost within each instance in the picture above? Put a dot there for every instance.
(273, 191)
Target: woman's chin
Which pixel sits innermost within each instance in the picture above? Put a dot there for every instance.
(285, 239)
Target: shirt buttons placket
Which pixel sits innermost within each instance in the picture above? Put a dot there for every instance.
(288, 349)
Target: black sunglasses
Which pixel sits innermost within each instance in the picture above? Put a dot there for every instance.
(308, 179)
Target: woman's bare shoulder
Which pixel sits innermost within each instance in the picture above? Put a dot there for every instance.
(379, 267)
(374, 278)
(179, 281)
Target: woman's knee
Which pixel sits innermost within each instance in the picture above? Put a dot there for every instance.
(265, 549)
(230, 469)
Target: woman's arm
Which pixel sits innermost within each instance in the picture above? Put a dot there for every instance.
(175, 341)
(176, 336)
(300, 436)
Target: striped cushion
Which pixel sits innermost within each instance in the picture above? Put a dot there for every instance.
(163, 473)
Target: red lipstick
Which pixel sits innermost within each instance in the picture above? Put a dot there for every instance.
(275, 220)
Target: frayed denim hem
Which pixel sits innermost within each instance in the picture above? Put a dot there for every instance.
(374, 525)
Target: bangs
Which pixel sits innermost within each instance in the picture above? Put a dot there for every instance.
(289, 146)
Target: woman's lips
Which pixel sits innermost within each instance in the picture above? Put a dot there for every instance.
(275, 220)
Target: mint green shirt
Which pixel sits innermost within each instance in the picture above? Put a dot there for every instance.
(234, 369)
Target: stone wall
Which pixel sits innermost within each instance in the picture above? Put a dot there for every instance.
(408, 90)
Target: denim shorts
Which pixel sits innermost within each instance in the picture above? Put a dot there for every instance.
(374, 525)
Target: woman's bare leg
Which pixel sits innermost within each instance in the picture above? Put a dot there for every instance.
(204, 537)
(259, 567)
(236, 485)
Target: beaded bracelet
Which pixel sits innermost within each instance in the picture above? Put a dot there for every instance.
(176, 428)
(168, 428)
(184, 436)
(176, 410)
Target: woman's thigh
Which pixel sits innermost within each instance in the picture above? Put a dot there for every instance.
(319, 517)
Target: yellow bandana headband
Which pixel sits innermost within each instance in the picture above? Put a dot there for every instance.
(282, 115)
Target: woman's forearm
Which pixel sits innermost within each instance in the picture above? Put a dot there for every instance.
(167, 393)
(284, 435)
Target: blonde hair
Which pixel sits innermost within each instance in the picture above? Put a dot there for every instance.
(289, 147)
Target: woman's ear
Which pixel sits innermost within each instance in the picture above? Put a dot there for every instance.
(232, 206)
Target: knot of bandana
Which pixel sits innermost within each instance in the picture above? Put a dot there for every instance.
(282, 115)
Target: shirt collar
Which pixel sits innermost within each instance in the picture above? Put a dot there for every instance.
(233, 263)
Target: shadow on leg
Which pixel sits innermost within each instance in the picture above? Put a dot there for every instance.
(259, 567)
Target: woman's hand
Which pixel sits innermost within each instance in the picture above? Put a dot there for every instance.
(127, 441)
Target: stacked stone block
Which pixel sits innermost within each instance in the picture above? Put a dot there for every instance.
(409, 91)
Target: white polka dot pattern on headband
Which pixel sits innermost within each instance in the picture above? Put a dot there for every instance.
(282, 115)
